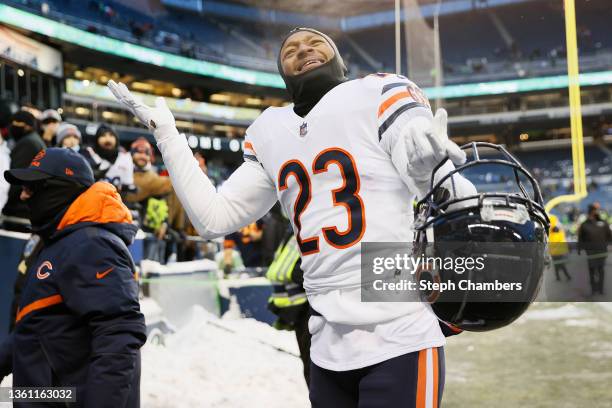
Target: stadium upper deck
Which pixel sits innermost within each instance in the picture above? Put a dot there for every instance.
(480, 40)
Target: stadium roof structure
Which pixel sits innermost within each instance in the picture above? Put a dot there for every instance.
(62, 32)
(339, 15)
(325, 7)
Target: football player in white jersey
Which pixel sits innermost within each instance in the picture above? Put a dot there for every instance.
(345, 160)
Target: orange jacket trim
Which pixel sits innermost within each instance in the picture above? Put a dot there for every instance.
(37, 305)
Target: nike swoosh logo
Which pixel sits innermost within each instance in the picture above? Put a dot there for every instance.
(100, 275)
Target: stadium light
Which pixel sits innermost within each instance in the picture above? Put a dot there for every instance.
(219, 98)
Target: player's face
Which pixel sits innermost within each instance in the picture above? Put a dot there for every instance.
(304, 51)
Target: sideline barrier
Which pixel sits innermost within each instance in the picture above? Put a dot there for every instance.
(11, 247)
(177, 287)
(247, 298)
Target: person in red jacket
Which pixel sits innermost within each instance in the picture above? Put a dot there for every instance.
(79, 322)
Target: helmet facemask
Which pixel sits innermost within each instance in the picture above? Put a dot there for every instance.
(506, 226)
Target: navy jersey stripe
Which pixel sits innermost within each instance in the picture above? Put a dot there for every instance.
(387, 123)
(250, 157)
(388, 87)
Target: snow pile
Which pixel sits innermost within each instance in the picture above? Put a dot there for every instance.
(7, 382)
(567, 311)
(223, 363)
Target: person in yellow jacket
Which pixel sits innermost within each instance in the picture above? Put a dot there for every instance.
(288, 300)
(558, 247)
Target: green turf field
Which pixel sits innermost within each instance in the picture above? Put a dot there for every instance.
(556, 355)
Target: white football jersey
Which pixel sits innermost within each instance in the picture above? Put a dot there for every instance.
(119, 173)
(335, 179)
(334, 176)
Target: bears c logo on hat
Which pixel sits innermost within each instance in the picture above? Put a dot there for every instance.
(53, 163)
(36, 159)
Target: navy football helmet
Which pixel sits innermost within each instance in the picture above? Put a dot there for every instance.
(505, 226)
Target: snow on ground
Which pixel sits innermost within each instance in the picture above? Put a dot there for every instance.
(556, 356)
(566, 311)
(7, 382)
(223, 363)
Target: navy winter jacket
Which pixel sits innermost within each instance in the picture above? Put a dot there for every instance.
(79, 322)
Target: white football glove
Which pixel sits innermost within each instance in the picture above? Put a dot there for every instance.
(427, 143)
(152, 117)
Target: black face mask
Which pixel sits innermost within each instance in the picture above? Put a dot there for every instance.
(107, 154)
(307, 89)
(17, 132)
(50, 199)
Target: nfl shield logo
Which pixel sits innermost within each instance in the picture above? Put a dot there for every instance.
(303, 129)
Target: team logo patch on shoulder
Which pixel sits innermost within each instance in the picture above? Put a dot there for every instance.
(43, 270)
(303, 129)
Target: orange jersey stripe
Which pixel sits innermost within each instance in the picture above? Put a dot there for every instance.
(248, 145)
(385, 105)
(422, 380)
(39, 304)
(434, 352)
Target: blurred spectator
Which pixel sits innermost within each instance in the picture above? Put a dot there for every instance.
(189, 250)
(7, 108)
(49, 121)
(558, 247)
(274, 228)
(27, 145)
(146, 179)
(5, 164)
(573, 214)
(594, 236)
(69, 137)
(151, 189)
(28, 107)
(248, 242)
(136, 29)
(229, 259)
(109, 161)
(288, 300)
(5, 151)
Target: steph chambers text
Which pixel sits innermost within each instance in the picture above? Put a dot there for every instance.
(463, 285)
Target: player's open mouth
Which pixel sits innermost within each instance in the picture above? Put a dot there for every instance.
(311, 64)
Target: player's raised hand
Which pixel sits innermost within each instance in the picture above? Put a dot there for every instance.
(427, 144)
(152, 117)
(442, 145)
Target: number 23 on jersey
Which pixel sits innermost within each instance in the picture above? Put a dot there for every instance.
(346, 195)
